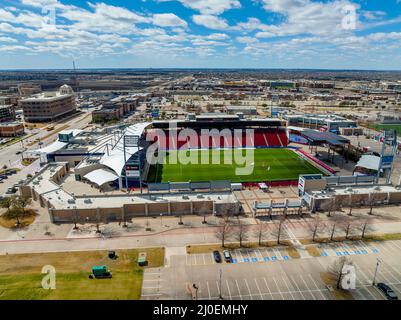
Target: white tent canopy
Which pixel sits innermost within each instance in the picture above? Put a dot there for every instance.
(370, 162)
(101, 176)
(115, 159)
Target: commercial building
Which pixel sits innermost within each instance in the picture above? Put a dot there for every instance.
(115, 109)
(49, 106)
(7, 113)
(246, 110)
(11, 129)
(331, 122)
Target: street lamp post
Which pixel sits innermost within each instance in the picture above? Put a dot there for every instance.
(220, 295)
(196, 291)
(377, 267)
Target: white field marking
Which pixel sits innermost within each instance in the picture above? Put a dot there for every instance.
(257, 286)
(296, 285)
(278, 288)
(208, 290)
(288, 288)
(314, 283)
(239, 291)
(228, 289)
(247, 287)
(264, 279)
(314, 298)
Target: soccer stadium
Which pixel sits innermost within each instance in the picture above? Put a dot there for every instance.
(266, 139)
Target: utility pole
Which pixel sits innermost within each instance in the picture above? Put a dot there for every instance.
(377, 267)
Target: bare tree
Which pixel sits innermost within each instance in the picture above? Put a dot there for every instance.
(261, 232)
(316, 227)
(346, 225)
(241, 233)
(329, 206)
(366, 227)
(336, 270)
(224, 231)
(278, 231)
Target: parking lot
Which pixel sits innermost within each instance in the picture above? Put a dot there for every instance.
(271, 274)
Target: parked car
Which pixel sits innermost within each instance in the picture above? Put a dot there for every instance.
(227, 256)
(388, 292)
(4, 176)
(18, 152)
(11, 190)
(217, 256)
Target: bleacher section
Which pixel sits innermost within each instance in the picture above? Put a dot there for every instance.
(262, 138)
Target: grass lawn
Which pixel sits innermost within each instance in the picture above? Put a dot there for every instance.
(379, 127)
(20, 275)
(284, 164)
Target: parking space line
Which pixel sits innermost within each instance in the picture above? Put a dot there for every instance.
(395, 270)
(246, 283)
(366, 279)
(239, 291)
(228, 289)
(208, 289)
(307, 287)
(204, 259)
(278, 254)
(264, 279)
(295, 283)
(288, 288)
(314, 283)
(257, 286)
(278, 288)
(395, 244)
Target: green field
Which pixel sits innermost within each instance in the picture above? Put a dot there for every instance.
(380, 127)
(20, 275)
(284, 165)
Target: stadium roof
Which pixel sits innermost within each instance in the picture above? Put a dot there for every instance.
(115, 160)
(317, 137)
(101, 176)
(370, 162)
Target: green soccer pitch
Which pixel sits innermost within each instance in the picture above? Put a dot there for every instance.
(284, 165)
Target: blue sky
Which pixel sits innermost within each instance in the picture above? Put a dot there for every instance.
(331, 34)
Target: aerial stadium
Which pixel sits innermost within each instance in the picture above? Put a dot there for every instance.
(212, 152)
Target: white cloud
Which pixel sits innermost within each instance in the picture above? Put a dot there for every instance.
(209, 6)
(168, 20)
(210, 21)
